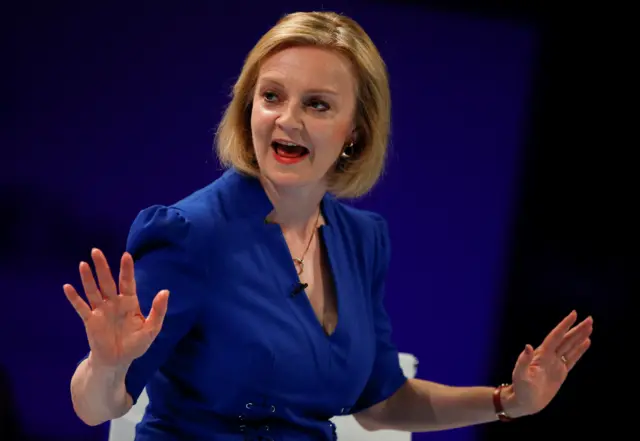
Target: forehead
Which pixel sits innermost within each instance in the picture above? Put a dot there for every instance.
(309, 67)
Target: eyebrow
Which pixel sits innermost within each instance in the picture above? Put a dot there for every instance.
(319, 91)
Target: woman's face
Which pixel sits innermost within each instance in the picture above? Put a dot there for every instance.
(303, 115)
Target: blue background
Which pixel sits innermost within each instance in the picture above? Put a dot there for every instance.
(98, 91)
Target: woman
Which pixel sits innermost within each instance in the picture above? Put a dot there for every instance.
(276, 320)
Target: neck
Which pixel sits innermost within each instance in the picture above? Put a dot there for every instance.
(294, 208)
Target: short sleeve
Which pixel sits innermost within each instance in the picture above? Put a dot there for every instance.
(386, 376)
(163, 244)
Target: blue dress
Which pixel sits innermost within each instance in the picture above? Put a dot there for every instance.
(241, 355)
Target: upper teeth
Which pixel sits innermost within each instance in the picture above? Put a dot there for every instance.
(290, 144)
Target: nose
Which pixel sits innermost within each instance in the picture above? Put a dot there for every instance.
(290, 118)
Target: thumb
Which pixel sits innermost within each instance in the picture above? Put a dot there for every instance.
(158, 312)
(523, 362)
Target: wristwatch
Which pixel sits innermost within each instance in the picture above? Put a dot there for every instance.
(497, 404)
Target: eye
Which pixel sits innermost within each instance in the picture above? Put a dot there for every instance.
(319, 105)
(270, 97)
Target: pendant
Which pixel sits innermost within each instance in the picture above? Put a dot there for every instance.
(299, 264)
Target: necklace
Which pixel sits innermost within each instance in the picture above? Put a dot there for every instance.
(299, 263)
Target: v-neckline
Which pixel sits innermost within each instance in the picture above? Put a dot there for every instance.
(325, 251)
(327, 244)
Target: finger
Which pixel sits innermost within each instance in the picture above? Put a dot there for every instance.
(81, 307)
(105, 279)
(89, 285)
(576, 336)
(552, 341)
(574, 355)
(523, 362)
(158, 312)
(127, 278)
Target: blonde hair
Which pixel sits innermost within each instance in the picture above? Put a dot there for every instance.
(353, 176)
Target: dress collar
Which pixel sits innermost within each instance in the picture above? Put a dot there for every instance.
(249, 200)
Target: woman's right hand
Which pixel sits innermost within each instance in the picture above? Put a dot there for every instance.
(117, 331)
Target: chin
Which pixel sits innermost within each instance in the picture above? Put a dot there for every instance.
(288, 178)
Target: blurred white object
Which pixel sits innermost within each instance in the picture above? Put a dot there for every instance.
(350, 430)
(123, 429)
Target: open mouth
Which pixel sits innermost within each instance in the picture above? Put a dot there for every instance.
(289, 150)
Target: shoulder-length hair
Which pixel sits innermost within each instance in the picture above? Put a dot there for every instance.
(351, 177)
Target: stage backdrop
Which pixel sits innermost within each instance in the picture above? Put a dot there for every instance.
(113, 109)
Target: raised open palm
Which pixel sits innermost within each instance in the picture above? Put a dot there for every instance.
(539, 372)
(117, 331)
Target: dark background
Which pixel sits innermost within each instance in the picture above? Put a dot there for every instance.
(570, 225)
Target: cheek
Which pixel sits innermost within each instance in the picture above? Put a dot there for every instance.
(332, 136)
(261, 122)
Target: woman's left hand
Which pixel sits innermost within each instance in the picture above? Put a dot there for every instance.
(540, 372)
